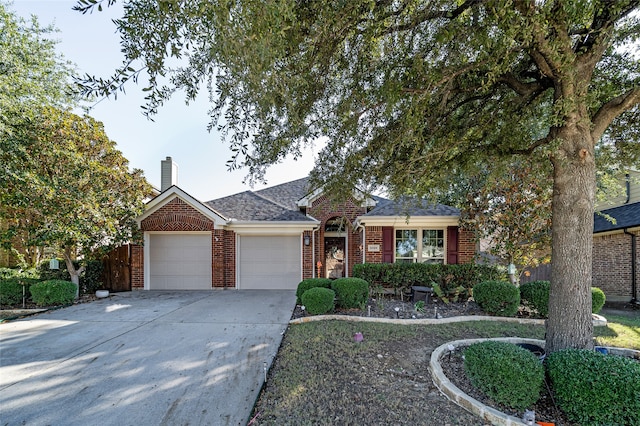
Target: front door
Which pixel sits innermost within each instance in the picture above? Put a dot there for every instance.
(334, 257)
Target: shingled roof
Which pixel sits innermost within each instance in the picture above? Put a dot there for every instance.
(280, 203)
(625, 216)
(406, 207)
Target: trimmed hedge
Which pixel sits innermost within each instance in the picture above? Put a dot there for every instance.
(351, 292)
(318, 300)
(91, 279)
(53, 292)
(597, 300)
(507, 373)
(452, 280)
(310, 283)
(497, 298)
(535, 294)
(11, 290)
(596, 389)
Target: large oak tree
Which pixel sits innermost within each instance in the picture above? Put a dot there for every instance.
(406, 92)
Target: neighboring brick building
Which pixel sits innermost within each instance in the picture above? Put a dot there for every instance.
(616, 258)
(275, 237)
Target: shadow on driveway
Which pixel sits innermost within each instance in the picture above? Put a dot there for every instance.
(143, 358)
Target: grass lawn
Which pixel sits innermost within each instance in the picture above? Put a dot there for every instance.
(322, 377)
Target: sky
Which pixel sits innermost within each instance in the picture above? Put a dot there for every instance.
(179, 131)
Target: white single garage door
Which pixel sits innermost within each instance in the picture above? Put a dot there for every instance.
(269, 262)
(180, 261)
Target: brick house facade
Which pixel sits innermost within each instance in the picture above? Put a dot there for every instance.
(275, 237)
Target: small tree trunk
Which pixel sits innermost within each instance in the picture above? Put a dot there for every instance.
(73, 272)
(570, 324)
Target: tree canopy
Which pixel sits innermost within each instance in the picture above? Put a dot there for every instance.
(68, 187)
(32, 74)
(408, 93)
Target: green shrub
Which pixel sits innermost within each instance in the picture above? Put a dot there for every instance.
(53, 292)
(597, 299)
(11, 290)
(91, 279)
(310, 283)
(8, 273)
(54, 274)
(596, 389)
(318, 300)
(497, 298)
(452, 280)
(507, 373)
(351, 292)
(535, 295)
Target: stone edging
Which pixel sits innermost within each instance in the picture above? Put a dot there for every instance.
(453, 393)
(597, 320)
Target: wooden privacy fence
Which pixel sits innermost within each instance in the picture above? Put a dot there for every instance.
(542, 272)
(116, 273)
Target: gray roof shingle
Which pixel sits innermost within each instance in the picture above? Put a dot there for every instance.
(626, 216)
(280, 203)
(411, 207)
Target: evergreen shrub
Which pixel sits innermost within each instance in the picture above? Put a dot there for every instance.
(318, 300)
(595, 389)
(309, 283)
(11, 290)
(507, 373)
(597, 300)
(351, 292)
(535, 294)
(498, 298)
(53, 292)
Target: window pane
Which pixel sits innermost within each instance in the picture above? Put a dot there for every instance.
(406, 243)
(432, 244)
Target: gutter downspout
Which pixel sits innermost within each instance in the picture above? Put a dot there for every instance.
(634, 283)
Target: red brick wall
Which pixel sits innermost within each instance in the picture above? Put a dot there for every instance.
(177, 215)
(307, 256)
(466, 246)
(373, 234)
(229, 259)
(612, 265)
(137, 266)
(323, 209)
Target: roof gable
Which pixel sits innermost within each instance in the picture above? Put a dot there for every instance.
(173, 192)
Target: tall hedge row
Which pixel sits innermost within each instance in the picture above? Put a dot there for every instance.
(449, 278)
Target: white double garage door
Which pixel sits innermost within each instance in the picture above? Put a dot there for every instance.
(183, 261)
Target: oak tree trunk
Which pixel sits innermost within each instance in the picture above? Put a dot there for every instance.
(570, 324)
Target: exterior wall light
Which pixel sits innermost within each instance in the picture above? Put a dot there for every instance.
(307, 241)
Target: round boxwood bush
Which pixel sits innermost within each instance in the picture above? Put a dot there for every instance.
(507, 373)
(351, 292)
(53, 292)
(318, 300)
(597, 299)
(596, 389)
(497, 298)
(309, 283)
(535, 294)
(11, 290)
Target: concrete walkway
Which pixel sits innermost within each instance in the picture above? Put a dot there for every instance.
(142, 358)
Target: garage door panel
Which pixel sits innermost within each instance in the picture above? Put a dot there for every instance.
(269, 262)
(180, 261)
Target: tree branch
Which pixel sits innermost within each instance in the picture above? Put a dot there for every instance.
(609, 111)
(428, 15)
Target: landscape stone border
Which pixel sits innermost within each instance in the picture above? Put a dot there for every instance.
(598, 321)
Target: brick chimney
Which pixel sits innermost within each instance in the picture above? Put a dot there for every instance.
(169, 174)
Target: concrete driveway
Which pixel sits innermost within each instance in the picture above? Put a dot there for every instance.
(142, 358)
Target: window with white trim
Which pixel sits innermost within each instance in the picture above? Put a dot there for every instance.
(420, 245)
